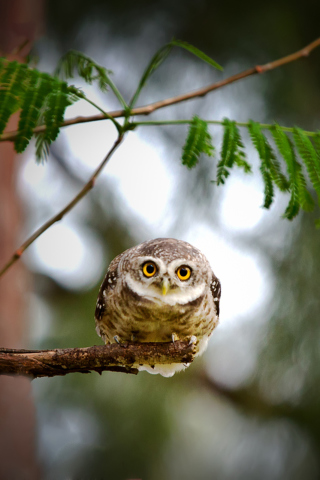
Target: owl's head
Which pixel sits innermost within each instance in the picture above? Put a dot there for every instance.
(166, 270)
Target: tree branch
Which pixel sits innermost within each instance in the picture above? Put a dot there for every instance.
(147, 109)
(88, 186)
(120, 358)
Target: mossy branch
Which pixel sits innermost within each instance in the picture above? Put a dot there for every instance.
(119, 358)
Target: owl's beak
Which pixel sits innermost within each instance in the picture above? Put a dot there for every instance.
(165, 286)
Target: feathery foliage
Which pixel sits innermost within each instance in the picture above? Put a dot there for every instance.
(12, 75)
(310, 156)
(300, 197)
(270, 167)
(232, 152)
(198, 141)
(38, 95)
(86, 68)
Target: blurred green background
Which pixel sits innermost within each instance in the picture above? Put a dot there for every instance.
(250, 409)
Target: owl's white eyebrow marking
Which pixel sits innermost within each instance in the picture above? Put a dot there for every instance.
(180, 298)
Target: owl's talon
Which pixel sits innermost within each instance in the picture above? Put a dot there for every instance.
(174, 337)
(193, 340)
(117, 339)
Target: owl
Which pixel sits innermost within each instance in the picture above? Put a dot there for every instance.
(159, 291)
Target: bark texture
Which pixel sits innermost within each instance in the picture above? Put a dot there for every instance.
(120, 358)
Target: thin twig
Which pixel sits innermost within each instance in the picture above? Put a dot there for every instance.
(147, 109)
(87, 187)
(120, 358)
(263, 126)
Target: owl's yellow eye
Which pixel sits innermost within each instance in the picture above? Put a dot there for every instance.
(149, 269)
(183, 272)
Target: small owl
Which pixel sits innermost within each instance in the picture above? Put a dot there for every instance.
(159, 291)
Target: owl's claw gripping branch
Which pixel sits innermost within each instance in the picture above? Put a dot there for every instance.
(193, 340)
(50, 363)
(174, 337)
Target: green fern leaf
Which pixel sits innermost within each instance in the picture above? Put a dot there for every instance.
(268, 186)
(299, 194)
(12, 76)
(264, 151)
(241, 162)
(309, 156)
(42, 148)
(86, 68)
(269, 162)
(231, 151)
(39, 88)
(52, 115)
(57, 103)
(38, 95)
(198, 141)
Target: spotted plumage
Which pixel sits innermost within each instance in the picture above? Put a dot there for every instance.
(159, 291)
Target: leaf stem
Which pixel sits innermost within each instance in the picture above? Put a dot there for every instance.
(107, 115)
(117, 94)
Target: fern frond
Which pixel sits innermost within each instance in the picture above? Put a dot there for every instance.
(268, 186)
(12, 77)
(42, 148)
(241, 162)
(231, 151)
(34, 99)
(270, 167)
(310, 157)
(38, 95)
(264, 150)
(198, 141)
(299, 193)
(86, 68)
(57, 102)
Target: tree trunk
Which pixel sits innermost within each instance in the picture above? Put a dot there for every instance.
(19, 21)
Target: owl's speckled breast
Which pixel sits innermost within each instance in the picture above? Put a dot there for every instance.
(143, 319)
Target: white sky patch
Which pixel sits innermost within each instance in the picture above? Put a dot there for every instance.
(65, 253)
(89, 142)
(241, 203)
(143, 179)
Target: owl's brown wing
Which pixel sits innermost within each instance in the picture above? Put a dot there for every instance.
(215, 287)
(108, 284)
